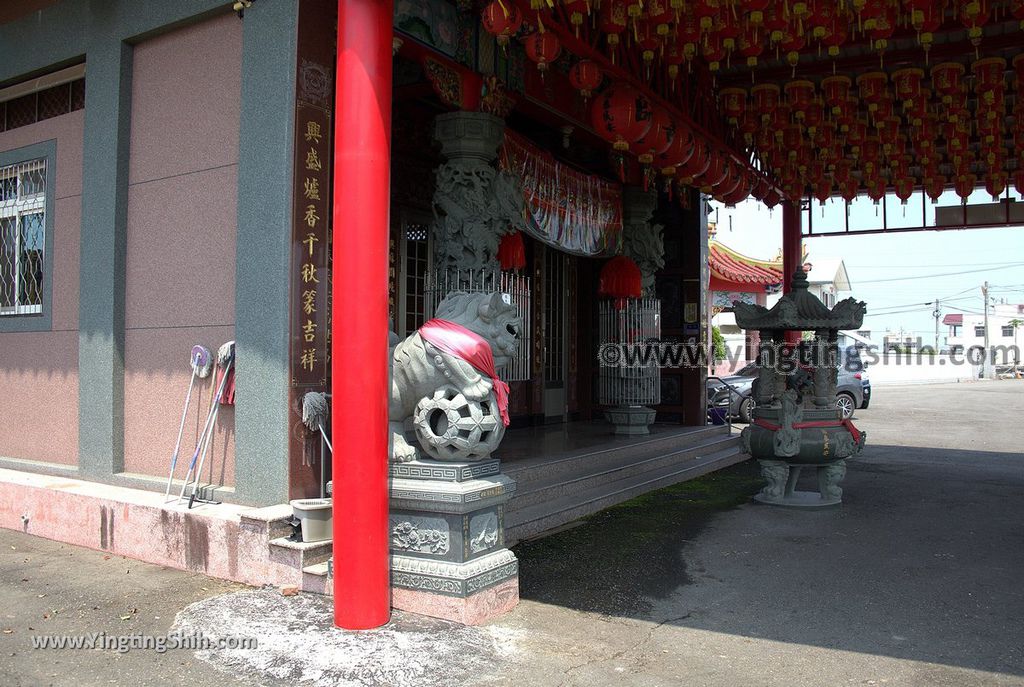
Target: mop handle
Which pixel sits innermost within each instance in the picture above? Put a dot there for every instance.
(181, 427)
(209, 436)
(206, 428)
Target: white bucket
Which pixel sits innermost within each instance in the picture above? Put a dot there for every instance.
(315, 517)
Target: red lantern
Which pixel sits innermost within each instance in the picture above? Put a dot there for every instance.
(660, 16)
(989, 75)
(752, 44)
(800, 95)
(658, 137)
(838, 33)
(578, 11)
(715, 173)
(512, 252)
(836, 90)
(995, 184)
(974, 14)
(678, 152)
(946, 79)
(1018, 182)
(585, 76)
(772, 198)
(935, 186)
(620, 278)
(1018, 67)
(765, 98)
(904, 188)
(622, 115)
(714, 51)
(673, 58)
(792, 43)
(964, 185)
(502, 19)
(698, 163)
(734, 103)
(907, 83)
(876, 189)
(872, 88)
(614, 20)
(543, 48)
(776, 22)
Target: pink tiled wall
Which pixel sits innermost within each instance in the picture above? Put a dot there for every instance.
(182, 201)
(39, 370)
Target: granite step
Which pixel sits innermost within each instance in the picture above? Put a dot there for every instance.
(534, 520)
(299, 554)
(537, 491)
(609, 454)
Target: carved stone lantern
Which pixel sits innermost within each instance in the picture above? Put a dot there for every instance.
(795, 421)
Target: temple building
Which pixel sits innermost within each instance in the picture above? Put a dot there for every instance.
(256, 208)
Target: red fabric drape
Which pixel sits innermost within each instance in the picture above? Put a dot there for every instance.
(458, 341)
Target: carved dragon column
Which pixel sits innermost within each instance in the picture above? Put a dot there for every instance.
(643, 241)
(471, 215)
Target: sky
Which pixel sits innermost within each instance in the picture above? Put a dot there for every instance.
(898, 275)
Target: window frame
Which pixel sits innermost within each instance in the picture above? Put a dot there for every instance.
(979, 331)
(41, 321)
(1007, 331)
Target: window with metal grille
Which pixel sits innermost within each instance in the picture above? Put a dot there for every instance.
(417, 262)
(979, 330)
(1007, 330)
(22, 237)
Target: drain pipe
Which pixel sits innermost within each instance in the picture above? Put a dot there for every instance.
(359, 329)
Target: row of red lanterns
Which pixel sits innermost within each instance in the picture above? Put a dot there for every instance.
(627, 119)
(674, 32)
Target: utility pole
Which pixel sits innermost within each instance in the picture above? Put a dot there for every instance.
(936, 314)
(985, 371)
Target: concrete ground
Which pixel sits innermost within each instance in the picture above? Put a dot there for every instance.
(918, 579)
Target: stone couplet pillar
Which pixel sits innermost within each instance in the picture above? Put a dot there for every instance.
(468, 192)
(447, 535)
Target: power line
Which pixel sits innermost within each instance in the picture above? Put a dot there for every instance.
(941, 274)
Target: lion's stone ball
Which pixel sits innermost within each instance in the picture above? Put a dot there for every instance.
(451, 427)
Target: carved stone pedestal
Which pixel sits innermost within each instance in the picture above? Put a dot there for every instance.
(782, 478)
(447, 529)
(630, 420)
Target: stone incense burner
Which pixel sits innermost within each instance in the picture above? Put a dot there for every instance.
(795, 421)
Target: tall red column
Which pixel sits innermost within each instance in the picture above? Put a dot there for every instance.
(359, 330)
(792, 250)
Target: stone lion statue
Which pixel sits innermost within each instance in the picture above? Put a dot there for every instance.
(418, 368)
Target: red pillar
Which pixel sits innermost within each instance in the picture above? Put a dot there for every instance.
(792, 250)
(359, 330)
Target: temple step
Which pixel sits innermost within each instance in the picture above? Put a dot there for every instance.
(551, 506)
(545, 489)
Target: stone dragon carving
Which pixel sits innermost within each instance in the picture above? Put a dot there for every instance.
(418, 369)
(645, 244)
(474, 205)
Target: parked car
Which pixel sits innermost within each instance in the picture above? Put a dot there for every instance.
(853, 388)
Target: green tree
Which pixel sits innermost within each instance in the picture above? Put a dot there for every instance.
(718, 343)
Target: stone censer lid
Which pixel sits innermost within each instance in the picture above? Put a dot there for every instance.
(800, 310)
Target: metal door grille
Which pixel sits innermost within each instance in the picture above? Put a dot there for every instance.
(630, 323)
(22, 237)
(514, 287)
(555, 295)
